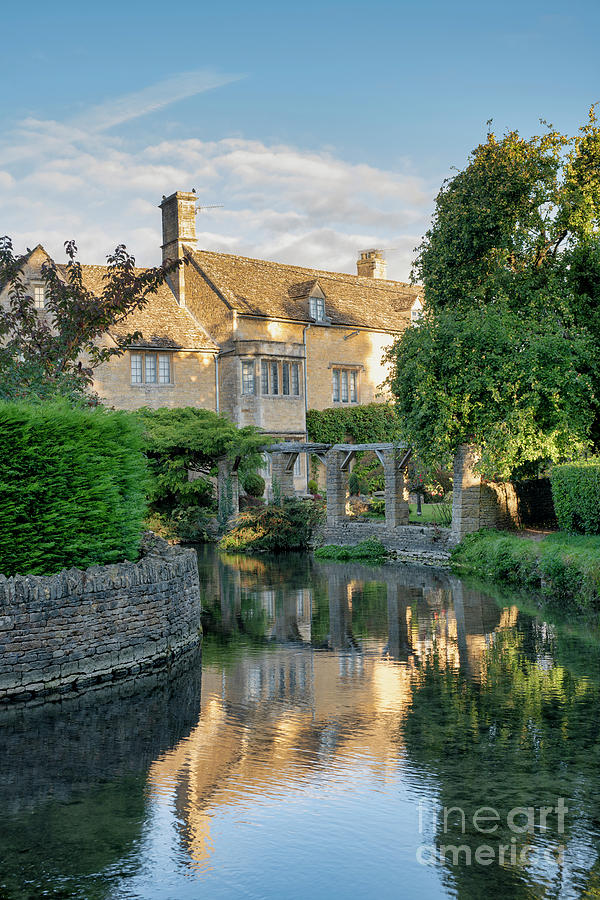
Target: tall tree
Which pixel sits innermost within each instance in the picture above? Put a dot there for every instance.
(54, 353)
(507, 354)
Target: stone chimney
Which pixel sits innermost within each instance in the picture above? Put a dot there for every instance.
(178, 229)
(371, 264)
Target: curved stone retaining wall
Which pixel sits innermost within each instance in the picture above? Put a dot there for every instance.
(81, 627)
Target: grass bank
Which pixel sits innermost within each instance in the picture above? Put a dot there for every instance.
(431, 513)
(369, 550)
(564, 568)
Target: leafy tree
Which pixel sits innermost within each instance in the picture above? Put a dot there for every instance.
(507, 353)
(54, 353)
(183, 440)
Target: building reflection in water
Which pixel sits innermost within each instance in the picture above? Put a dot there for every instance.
(323, 680)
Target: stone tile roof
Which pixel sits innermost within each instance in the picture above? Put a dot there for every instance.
(262, 288)
(162, 322)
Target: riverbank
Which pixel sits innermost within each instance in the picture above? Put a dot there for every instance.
(563, 567)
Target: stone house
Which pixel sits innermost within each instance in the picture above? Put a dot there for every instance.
(259, 341)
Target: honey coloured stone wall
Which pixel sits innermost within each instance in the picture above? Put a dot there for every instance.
(77, 628)
(193, 383)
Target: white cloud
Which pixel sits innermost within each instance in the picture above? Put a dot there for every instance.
(309, 208)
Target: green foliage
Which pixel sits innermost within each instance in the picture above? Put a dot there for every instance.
(288, 525)
(370, 549)
(184, 440)
(366, 424)
(313, 486)
(254, 484)
(512, 380)
(73, 484)
(41, 354)
(565, 567)
(576, 495)
(354, 484)
(507, 354)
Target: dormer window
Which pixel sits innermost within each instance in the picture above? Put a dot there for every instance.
(317, 308)
(39, 296)
(416, 312)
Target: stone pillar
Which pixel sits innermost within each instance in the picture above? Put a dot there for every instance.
(396, 491)
(228, 490)
(284, 480)
(337, 487)
(466, 493)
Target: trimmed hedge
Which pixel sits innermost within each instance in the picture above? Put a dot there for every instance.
(576, 495)
(73, 485)
(366, 424)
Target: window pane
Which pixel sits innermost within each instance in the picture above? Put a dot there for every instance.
(285, 378)
(320, 308)
(344, 386)
(264, 377)
(353, 392)
(274, 378)
(298, 466)
(164, 368)
(150, 359)
(39, 296)
(312, 303)
(295, 379)
(247, 378)
(136, 368)
(336, 384)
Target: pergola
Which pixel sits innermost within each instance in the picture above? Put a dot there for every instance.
(337, 459)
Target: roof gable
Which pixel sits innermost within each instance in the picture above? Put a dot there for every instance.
(162, 322)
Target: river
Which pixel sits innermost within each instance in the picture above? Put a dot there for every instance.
(346, 732)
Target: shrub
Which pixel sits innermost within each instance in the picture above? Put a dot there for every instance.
(254, 484)
(576, 495)
(73, 485)
(276, 527)
(369, 550)
(354, 485)
(313, 486)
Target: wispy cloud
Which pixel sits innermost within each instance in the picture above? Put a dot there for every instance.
(150, 99)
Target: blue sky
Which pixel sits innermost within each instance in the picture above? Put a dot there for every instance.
(321, 127)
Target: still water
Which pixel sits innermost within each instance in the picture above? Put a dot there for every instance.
(339, 738)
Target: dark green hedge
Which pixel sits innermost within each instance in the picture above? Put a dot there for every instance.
(366, 424)
(72, 487)
(576, 495)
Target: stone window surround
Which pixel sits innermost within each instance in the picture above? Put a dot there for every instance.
(349, 370)
(157, 353)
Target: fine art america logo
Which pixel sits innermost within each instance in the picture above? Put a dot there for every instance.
(487, 832)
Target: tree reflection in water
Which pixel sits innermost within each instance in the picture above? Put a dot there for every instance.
(334, 699)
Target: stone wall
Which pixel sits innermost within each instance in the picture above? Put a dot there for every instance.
(424, 544)
(80, 627)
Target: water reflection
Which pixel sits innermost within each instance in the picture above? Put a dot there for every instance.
(343, 709)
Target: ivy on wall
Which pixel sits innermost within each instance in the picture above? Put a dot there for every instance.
(367, 424)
